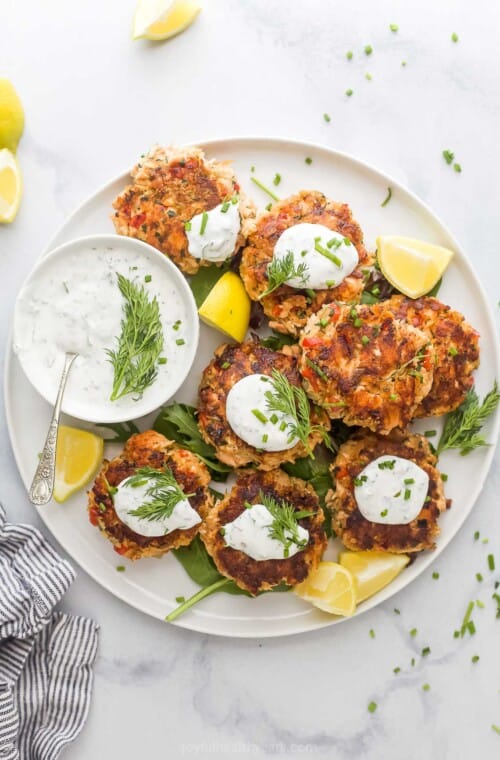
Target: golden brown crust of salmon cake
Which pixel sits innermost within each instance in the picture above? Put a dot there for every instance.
(456, 349)
(365, 366)
(170, 186)
(358, 533)
(261, 575)
(287, 308)
(148, 449)
(231, 363)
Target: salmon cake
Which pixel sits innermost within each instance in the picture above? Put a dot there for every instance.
(192, 209)
(391, 470)
(233, 413)
(326, 256)
(456, 350)
(364, 366)
(260, 546)
(151, 498)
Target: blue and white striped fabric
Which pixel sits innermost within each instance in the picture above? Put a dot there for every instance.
(46, 657)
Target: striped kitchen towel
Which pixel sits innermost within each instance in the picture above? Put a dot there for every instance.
(46, 657)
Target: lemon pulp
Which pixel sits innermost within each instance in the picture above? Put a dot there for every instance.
(227, 307)
(372, 570)
(10, 186)
(79, 453)
(162, 19)
(412, 266)
(331, 588)
(11, 116)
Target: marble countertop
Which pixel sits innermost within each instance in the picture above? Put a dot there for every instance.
(94, 100)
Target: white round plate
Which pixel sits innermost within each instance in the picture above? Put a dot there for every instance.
(151, 585)
(168, 282)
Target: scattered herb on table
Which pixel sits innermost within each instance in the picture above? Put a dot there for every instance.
(462, 427)
(394, 27)
(140, 343)
(264, 188)
(387, 198)
(454, 37)
(327, 118)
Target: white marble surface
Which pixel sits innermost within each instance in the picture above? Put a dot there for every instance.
(94, 100)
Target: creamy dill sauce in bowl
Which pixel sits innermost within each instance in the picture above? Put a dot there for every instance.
(72, 302)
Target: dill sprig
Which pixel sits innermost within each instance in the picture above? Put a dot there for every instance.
(461, 429)
(280, 270)
(284, 527)
(292, 400)
(164, 493)
(140, 343)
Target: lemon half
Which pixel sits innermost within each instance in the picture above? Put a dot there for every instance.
(372, 570)
(412, 266)
(331, 588)
(11, 186)
(11, 116)
(227, 307)
(162, 19)
(78, 455)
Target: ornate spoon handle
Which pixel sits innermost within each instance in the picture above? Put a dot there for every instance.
(43, 480)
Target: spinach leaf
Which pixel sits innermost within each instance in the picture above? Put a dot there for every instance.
(203, 281)
(277, 340)
(122, 430)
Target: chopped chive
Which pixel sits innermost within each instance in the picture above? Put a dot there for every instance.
(264, 188)
(326, 253)
(394, 27)
(359, 481)
(456, 634)
(435, 576)
(269, 207)
(430, 433)
(224, 207)
(396, 670)
(260, 416)
(283, 426)
(388, 197)
(403, 63)
(333, 243)
(365, 340)
(162, 360)
(393, 397)
(177, 324)
(349, 92)
(471, 627)
(274, 418)
(476, 535)
(252, 168)
(485, 541)
(426, 687)
(479, 577)
(454, 37)
(396, 611)
(147, 278)
(324, 322)
(311, 294)
(327, 118)
(413, 632)
(491, 562)
(426, 651)
(372, 707)
(407, 494)
(180, 341)
(457, 168)
(412, 662)
(479, 604)
(120, 568)
(316, 369)
(384, 513)
(444, 477)
(235, 199)
(308, 160)
(330, 283)
(468, 613)
(265, 438)
(495, 728)
(187, 226)
(225, 365)
(368, 50)
(222, 531)
(277, 179)
(368, 77)
(180, 599)
(408, 481)
(452, 351)
(372, 633)
(448, 156)
(349, 55)
(204, 221)
(358, 322)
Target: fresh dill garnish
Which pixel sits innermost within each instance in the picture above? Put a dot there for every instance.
(291, 400)
(284, 527)
(140, 343)
(462, 427)
(164, 493)
(279, 270)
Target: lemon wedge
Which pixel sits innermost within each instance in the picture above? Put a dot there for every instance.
(331, 588)
(372, 570)
(11, 116)
(227, 307)
(11, 186)
(162, 19)
(412, 266)
(78, 455)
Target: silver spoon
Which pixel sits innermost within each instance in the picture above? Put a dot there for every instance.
(42, 486)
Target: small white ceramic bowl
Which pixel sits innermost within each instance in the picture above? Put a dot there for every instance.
(73, 291)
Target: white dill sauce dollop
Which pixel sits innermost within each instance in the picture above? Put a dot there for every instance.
(391, 490)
